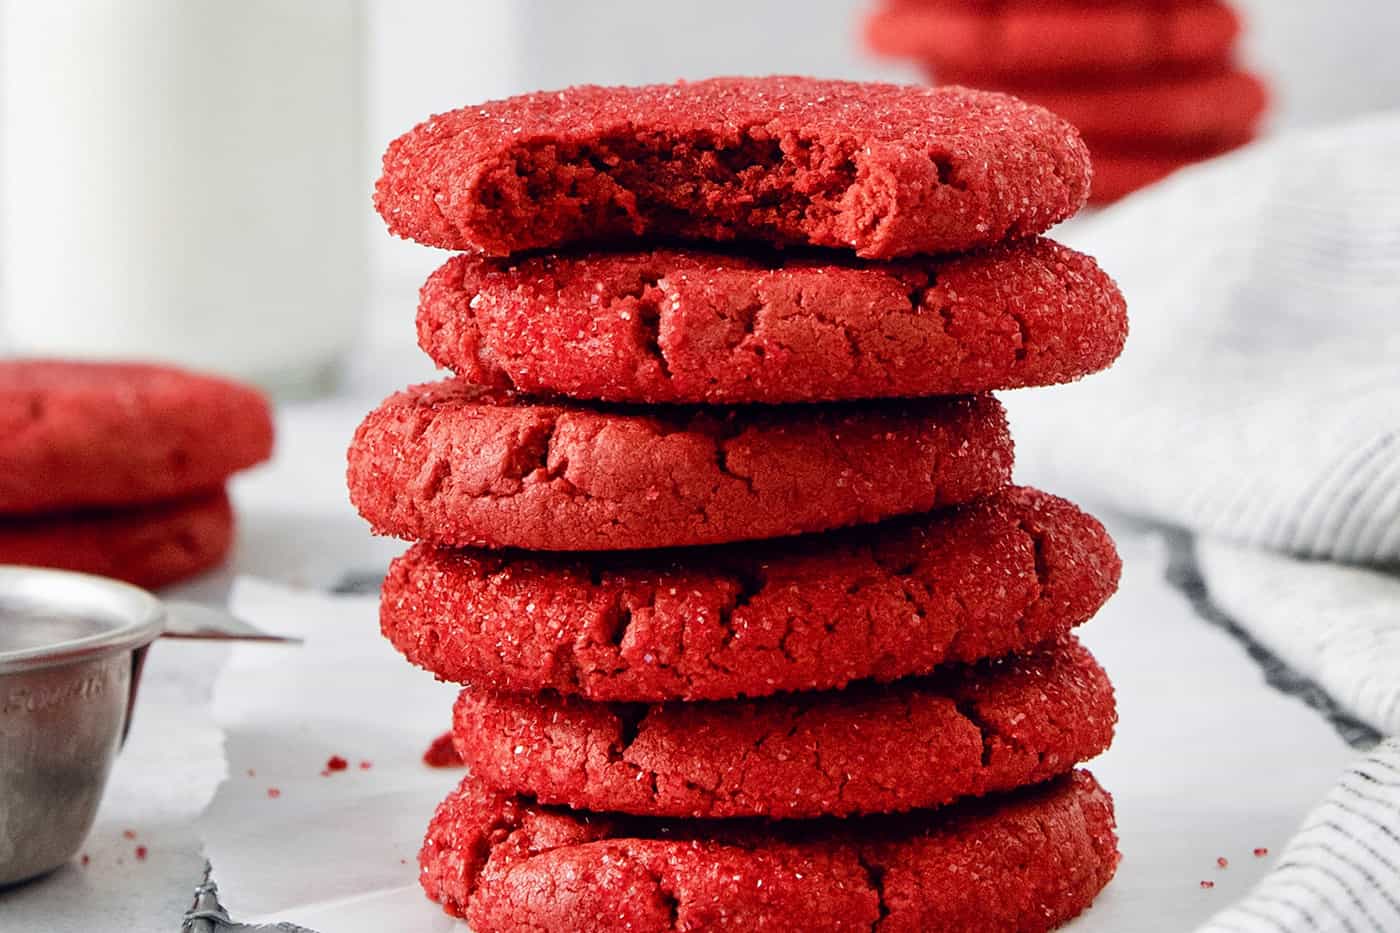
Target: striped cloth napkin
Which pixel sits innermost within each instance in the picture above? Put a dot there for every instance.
(1337, 625)
(1340, 872)
(1258, 406)
(1258, 399)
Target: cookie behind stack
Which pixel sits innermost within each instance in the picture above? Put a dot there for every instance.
(714, 523)
(1151, 84)
(119, 469)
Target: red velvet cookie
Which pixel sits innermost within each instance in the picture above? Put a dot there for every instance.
(809, 613)
(460, 466)
(915, 744)
(81, 435)
(1029, 862)
(1118, 173)
(1216, 108)
(674, 326)
(1022, 37)
(149, 546)
(885, 170)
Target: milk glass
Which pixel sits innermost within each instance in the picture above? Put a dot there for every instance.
(185, 180)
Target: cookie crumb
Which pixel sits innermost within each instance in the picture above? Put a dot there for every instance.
(141, 853)
(1207, 884)
(1260, 852)
(442, 753)
(128, 834)
(366, 765)
(336, 763)
(273, 793)
(1223, 862)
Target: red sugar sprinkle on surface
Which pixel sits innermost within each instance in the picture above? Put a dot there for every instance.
(1207, 884)
(141, 853)
(1260, 852)
(336, 763)
(442, 753)
(274, 793)
(1223, 862)
(366, 765)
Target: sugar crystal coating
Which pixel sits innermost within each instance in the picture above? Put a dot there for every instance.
(1028, 862)
(915, 744)
(688, 326)
(460, 466)
(880, 169)
(811, 613)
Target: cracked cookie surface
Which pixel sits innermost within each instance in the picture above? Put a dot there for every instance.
(1029, 861)
(811, 613)
(916, 744)
(688, 326)
(883, 170)
(460, 466)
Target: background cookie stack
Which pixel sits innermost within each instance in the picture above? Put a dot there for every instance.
(1152, 84)
(719, 537)
(118, 469)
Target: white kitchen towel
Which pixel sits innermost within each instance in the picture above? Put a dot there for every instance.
(1258, 399)
(1339, 874)
(1258, 405)
(1338, 625)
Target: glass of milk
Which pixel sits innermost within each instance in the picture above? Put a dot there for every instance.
(185, 180)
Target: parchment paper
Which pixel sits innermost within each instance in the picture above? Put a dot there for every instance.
(1209, 763)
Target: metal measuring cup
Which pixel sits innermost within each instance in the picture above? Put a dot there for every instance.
(71, 653)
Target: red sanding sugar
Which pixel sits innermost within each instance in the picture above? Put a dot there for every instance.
(366, 765)
(1260, 852)
(336, 763)
(1207, 884)
(1223, 862)
(141, 853)
(273, 793)
(442, 753)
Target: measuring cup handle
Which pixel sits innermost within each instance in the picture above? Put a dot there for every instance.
(138, 664)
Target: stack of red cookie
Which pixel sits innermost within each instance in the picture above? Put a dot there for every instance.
(714, 523)
(1152, 84)
(118, 469)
